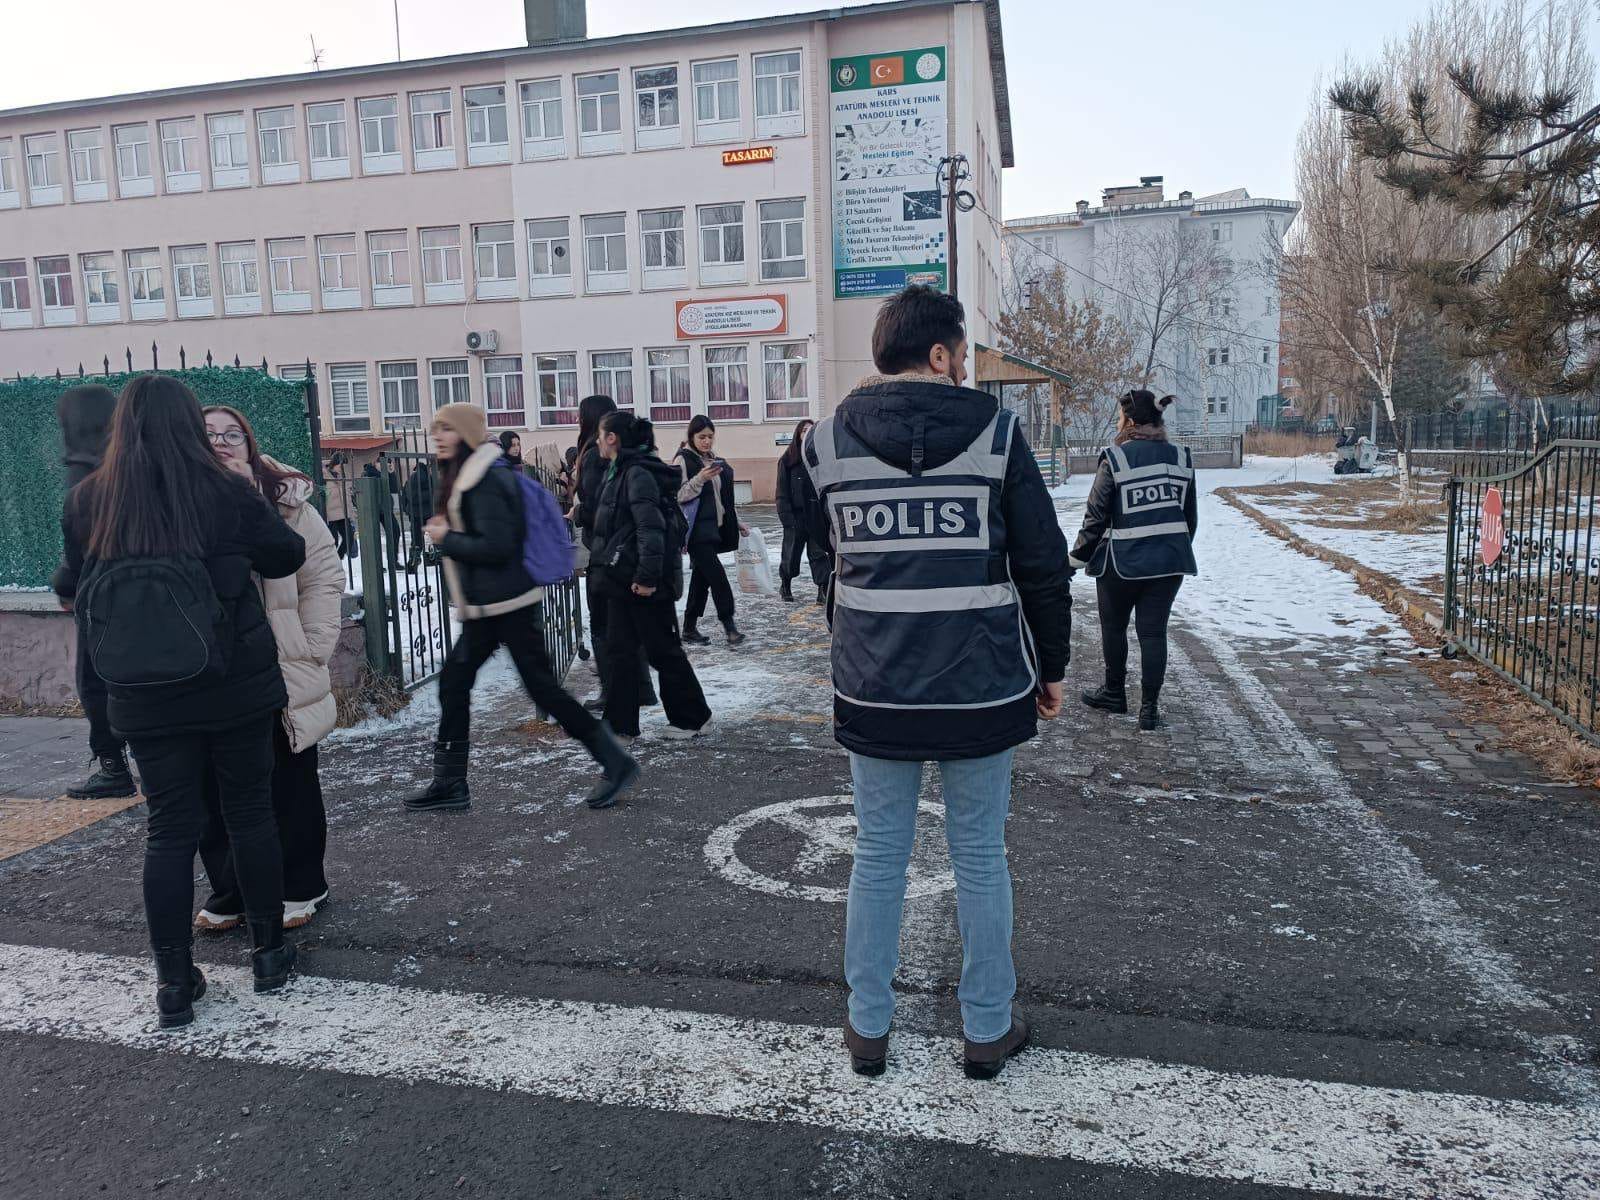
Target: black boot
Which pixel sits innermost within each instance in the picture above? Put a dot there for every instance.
(734, 636)
(620, 770)
(448, 789)
(1149, 711)
(693, 637)
(822, 596)
(596, 704)
(786, 592)
(273, 958)
(1107, 699)
(112, 779)
(178, 985)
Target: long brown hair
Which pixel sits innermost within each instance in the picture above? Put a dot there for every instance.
(273, 480)
(159, 485)
(792, 452)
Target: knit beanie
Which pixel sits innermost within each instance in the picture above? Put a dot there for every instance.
(468, 420)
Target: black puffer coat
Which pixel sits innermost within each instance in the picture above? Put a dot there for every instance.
(590, 475)
(797, 496)
(244, 533)
(629, 542)
(715, 520)
(483, 550)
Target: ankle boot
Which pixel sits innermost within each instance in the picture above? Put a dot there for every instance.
(619, 769)
(1149, 711)
(273, 958)
(448, 789)
(178, 985)
(734, 636)
(785, 591)
(693, 637)
(111, 779)
(1108, 699)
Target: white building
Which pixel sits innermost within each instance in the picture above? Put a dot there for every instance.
(1220, 356)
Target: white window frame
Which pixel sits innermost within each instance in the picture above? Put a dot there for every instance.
(101, 279)
(134, 182)
(497, 375)
(338, 275)
(349, 388)
(790, 229)
(1266, 356)
(1222, 231)
(499, 254)
(667, 366)
(385, 130)
(390, 265)
(280, 163)
(731, 370)
(57, 299)
(778, 366)
(605, 377)
(543, 123)
(229, 150)
(86, 149)
(443, 271)
(192, 286)
(715, 265)
(549, 256)
(326, 123)
(41, 157)
(433, 137)
(781, 121)
(612, 245)
(560, 372)
(10, 195)
(455, 374)
(483, 146)
(399, 407)
(282, 256)
(669, 271)
(595, 134)
(653, 133)
(16, 295)
(144, 279)
(180, 154)
(723, 124)
(241, 278)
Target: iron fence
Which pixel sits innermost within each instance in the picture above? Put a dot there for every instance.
(1490, 440)
(1522, 577)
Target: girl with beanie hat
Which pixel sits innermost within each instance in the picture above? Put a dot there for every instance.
(478, 529)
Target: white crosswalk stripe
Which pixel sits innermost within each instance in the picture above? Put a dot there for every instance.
(1328, 1137)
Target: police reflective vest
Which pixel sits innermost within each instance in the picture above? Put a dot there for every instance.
(1148, 534)
(925, 612)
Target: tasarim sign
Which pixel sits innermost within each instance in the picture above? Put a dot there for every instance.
(748, 154)
(889, 132)
(740, 316)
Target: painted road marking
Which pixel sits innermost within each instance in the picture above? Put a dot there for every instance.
(1327, 1137)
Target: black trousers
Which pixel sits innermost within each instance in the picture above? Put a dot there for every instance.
(344, 538)
(302, 830)
(707, 577)
(174, 770)
(597, 638)
(522, 634)
(1149, 602)
(796, 543)
(92, 695)
(652, 623)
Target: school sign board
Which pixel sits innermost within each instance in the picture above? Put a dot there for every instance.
(889, 133)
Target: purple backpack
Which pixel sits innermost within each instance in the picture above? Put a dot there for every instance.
(548, 552)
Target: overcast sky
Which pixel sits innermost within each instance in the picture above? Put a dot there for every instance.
(1207, 94)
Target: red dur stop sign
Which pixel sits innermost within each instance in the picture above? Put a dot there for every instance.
(1493, 526)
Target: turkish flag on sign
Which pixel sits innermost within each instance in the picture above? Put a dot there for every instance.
(884, 71)
(1493, 527)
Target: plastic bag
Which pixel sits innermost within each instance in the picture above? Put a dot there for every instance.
(755, 570)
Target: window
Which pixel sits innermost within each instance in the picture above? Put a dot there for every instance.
(655, 107)
(502, 392)
(44, 166)
(390, 261)
(777, 93)
(612, 375)
(400, 396)
(430, 121)
(669, 384)
(599, 114)
(275, 128)
(605, 253)
(494, 260)
(380, 134)
(1222, 231)
(287, 268)
(1222, 405)
(349, 397)
(1266, 356)
(727, 383)
(661, 235)
(549, 257)
(132, 148)
(84, 146)
(442, 277)
(14, 295)
(488, 139)
(230, 151)
(180, 154)
(1218, 356)
(8, 169)
(147, 293)
(239, 277)
(783, 239)
(451, 383)
(716, 100)
(722, 243)
(336, 263)
(787, 391)
(1211, 406)
(55, 283)
(543, 135)
(557, 380)
(191, 273)
(326, 131)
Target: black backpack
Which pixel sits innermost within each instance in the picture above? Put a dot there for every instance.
(153, 622)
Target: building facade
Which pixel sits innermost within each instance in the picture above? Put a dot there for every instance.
(1221, 357)
(650, 216)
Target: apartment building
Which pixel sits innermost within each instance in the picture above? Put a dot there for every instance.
(690, 221)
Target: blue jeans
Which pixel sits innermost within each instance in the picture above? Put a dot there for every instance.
(977, 795)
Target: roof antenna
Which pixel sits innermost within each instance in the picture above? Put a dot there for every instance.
(316, 55)
(397, 30)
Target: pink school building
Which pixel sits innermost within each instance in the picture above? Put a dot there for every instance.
(692, 221)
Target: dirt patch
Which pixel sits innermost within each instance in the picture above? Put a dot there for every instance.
(1360, 503)
(10, 706)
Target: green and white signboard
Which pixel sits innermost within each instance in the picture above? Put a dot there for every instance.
(889, 133)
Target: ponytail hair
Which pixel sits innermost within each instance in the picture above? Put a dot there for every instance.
(635, 433)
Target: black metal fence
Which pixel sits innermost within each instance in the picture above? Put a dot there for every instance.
(1522, 580)
(1490, 440)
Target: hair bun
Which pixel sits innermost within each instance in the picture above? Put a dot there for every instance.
(1166, 400)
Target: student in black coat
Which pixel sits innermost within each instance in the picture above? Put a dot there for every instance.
(162, 497)
(799, 511)
(707, 487)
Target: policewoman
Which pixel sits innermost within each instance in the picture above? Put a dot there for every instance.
(951, 631)
(1137, 542)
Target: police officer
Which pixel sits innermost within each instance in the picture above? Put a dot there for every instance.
(951, 632)
(1137, 542)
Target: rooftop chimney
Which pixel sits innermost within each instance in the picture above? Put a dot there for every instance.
(555, 20)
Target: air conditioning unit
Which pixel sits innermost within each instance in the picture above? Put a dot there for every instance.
(485, 341)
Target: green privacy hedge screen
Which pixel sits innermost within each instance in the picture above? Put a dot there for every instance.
(32, 477)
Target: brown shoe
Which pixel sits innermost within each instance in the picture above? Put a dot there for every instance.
(867, 1055)
(985, 1060)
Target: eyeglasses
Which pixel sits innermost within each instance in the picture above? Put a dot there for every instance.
(228, 437)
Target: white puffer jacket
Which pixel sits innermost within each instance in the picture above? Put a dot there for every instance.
(304, 612)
